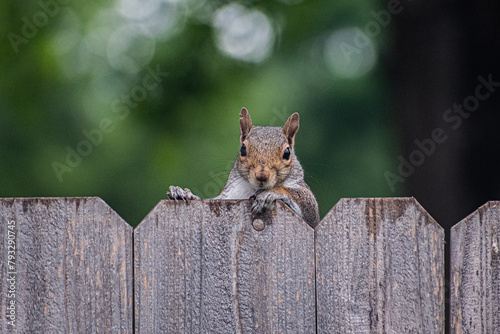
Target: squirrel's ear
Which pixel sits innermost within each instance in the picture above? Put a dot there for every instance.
(245, 124)
(291, 127)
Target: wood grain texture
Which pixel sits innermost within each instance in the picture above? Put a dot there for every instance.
(475, 272)
(200, 267)
(73, 266)
(380, 268)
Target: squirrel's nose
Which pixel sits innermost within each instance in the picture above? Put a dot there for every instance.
(261, 176)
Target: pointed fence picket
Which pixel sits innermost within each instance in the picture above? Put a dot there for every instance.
(65, 267)
(380, 268)
(201, 267)
(475, 272)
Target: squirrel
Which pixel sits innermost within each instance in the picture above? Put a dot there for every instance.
(266, 170)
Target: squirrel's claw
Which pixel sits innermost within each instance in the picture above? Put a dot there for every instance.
(264, 201)
(177, 193)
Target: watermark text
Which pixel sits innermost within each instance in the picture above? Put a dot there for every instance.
(11, 306)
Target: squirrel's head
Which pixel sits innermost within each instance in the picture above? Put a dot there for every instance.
(266, 155)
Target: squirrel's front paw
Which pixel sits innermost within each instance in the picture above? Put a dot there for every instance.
(264, 201)
(177, 193)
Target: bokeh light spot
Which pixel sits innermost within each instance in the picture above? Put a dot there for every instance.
(243, 34)
(167, 20)
(138, 9)
(350, 53)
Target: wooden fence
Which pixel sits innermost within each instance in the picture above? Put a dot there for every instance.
(72, 265)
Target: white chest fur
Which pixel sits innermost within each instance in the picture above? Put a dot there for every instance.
(240, 189)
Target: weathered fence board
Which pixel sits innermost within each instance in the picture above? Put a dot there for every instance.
(475, 272)
(380, 268)
(65, 265)
(201, 267)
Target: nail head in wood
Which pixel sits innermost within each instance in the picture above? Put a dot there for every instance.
(258, 224)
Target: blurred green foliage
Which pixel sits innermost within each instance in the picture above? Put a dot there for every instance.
(76, 66)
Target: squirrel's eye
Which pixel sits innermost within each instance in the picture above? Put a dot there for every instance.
(243, 150)
(286, 154)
